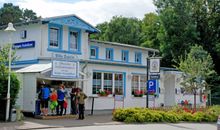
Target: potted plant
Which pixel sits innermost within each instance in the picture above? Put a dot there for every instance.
(138, 93)
(103, 93)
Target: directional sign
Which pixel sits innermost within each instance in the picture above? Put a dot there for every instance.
(152, 86)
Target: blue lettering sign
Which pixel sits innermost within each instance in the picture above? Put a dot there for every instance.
(21, 45)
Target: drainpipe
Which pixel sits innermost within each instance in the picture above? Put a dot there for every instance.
(83, 70)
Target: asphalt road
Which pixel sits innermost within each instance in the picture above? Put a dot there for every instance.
(179, 126)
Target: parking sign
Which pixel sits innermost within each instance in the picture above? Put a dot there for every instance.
(152, 86)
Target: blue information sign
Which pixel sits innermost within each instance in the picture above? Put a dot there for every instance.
(152, 86)
(20, 45)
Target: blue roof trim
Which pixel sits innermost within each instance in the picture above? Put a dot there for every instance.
(24, 62)
(72, 21)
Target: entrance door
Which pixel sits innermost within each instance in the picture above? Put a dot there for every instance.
(169, 95)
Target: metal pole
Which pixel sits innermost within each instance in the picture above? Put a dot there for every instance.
(9, 83)
(10, 29)
(147, 96)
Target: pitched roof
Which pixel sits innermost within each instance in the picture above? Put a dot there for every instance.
(123, 45)
(69, 20)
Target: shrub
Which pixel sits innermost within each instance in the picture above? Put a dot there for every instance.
(174, 115)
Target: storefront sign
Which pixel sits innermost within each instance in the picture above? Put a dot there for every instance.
(67, 57)
(21, 45)
(65, 69)
(154, 65)
(154, 76)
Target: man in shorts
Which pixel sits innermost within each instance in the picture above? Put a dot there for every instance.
(45, 94)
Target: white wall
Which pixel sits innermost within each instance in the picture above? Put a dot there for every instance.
(29, 92)
(33, 34)
(117, 52)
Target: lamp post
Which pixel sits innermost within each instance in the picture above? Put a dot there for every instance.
(9, 29)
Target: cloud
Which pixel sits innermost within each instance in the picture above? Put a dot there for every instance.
(92, 11)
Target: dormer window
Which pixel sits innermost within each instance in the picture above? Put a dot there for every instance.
(73, 41)
(55, 37)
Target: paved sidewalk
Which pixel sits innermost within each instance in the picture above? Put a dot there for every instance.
(32, 123)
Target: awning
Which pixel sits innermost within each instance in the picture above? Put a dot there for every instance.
(35, 68)
(45, 72)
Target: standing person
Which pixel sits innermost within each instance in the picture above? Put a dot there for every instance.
(53, 99)
(65, 104)
(74, 103)
(81, 101)
(60, 99)
(45, 94)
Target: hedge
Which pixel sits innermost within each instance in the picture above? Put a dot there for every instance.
(176, 114)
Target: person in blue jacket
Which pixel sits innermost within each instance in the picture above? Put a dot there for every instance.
(60, 99)
(45, 96)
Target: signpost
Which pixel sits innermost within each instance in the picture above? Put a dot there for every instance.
(153, 66)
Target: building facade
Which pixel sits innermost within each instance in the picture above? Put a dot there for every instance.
(117, 68)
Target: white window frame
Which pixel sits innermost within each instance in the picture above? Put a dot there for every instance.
(113, 81)
(73, 46)
(139, 83)
(54, 39)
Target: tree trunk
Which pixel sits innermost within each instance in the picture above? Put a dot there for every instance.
(194, 109)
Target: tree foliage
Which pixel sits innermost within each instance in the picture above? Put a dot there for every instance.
(4, 76)
(120, 29)
(150, 31)
(12, 13)
(197, 66)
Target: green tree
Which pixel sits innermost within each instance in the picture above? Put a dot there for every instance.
(150, 33)
(197, 66)
(179, 28)
(11, 13)
(4, 76)
(121, 29)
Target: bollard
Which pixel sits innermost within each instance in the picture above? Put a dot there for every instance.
(13, 114)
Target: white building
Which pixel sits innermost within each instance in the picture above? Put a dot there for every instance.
(64, 40)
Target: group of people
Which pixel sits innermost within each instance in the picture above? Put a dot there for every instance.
(58, 101)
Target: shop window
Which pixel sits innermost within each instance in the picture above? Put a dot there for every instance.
(97, 82)
(138, 83)
(108, 82)
(119, 84)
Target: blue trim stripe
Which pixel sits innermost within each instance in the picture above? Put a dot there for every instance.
(34, 61)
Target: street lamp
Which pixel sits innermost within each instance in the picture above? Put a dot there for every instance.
(9, 29)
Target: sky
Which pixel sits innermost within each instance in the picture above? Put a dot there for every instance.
(92, 11)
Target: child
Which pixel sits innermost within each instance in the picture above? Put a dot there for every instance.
(53, 99)
(65, 105)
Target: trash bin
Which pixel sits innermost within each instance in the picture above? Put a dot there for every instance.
(13, 114)
(218, 123)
